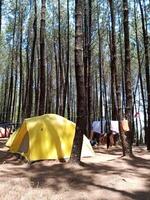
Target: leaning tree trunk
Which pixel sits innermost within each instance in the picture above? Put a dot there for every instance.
(128, 88)
(79, 69)
(42, 59)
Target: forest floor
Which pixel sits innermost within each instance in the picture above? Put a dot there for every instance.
(106, 176)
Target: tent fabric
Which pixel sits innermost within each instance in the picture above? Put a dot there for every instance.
(11, 139)
(49, 136)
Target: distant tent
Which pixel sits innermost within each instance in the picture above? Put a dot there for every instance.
(49, 136)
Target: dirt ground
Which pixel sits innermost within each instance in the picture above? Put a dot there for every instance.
(106, 176)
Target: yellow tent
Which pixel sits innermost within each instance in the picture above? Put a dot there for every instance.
(49, 136)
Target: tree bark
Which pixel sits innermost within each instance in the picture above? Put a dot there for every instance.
(85, 59)
(1, 3)
(100, 69)
(66, 86)
(30, 89)
(115, 75)
(20, 68)
(79, 69)
(89, 66)
(60, 63)
(128, 87)
(10, 92)
(140, 68)
(147, 72)
(42, 58)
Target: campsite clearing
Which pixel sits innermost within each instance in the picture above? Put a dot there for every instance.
(103, 177)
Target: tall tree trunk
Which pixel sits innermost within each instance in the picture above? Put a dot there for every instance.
(147, 72)
(106, 104)
(21, 68)
(113, 61)
(122, 64)
(115, 75)
(96, 98)
(85, 59)
(79, 69)
(70, 94)
(89, 66)
(30, 89)
(57, 79)
(100, 68)
(113, 81)
(60, 63)
(2, 100)
(66, 87)
(56, 65)
(25, 103)
(128, 88)
(37, 80)
(15, 91)
(140, 67)
(1, 3)
(5, 96)
(10, 93)
(42, 59)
